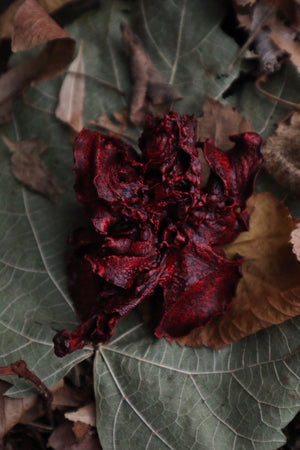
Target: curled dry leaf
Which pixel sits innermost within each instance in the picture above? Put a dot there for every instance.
(218, 122)
(282, 154)
(269, 290)
(150, 93)
(273, 40)
(33, 26)
(28, 168)
(6, 19)
(295, 241)
(71, 95)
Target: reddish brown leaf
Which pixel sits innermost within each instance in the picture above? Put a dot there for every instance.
(33, 26)
(28, 168)
(71, 95)
(6, 19)
(64, 438)
(282, 156)
(150, 93)
(269, 291)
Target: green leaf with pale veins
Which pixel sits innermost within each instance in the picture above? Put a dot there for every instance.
(157, 396)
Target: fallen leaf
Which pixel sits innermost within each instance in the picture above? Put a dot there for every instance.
(6, 19)
(33, 26)
(28, 409)
(113, 129)
(218, 122)
(71, 95)
(284, 38)
(28, 168)
(86, 414)
(150, 93)
(274, 40)
(80, 429)
(282, 155)
(295, 241)
(269, 290)
(63, 438)
(66, 396)
(15, 410)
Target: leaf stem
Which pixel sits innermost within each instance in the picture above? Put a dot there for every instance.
(98, 80)
(295, 106)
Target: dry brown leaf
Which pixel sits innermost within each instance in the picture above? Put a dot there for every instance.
(284, 38)
(295, 241)
(150, 93)
(15, 410)
(80, 429)
(33, 26)
(28, 168)
(113, 129)
(269, 291)
(282, 154)
(6, 19)
(71, 95)
(64, 438)
(28, 409)
(218, 122)
(86, 414)
(275, 40)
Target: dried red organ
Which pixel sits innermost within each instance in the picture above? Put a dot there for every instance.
(155, 234)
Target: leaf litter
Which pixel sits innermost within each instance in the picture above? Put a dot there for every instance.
(221, 119)
(28, 168)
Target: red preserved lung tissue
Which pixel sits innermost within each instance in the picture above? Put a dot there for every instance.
(155, 234)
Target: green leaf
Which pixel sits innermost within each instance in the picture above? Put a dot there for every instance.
(34, 295)
(157, 396)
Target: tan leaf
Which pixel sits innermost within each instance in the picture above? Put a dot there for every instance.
(28, 409)
(86, 414)
(150, 93)
(269, 290)
(284, 38)
(28, 168)
(295, 241)
(104, 122)
(33, 26)
(6, 19)
(218, 122)
(282, 154)
(15, 410)
(71, 95)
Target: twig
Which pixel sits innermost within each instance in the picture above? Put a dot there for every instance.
(295, 106)
(250, 39)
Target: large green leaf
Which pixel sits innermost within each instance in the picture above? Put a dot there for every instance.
(157, 396)
(34, 296)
